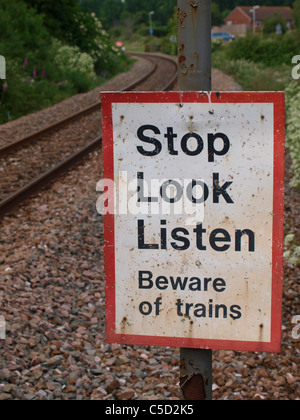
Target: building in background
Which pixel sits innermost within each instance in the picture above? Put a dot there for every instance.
(251, 18)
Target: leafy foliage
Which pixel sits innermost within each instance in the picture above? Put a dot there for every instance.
(52, 50)
(261, 62)
(114, 11)
(22, 30)
(272, 50)
(296, 13)
(271, 23)
(293, 128)
(59, 15)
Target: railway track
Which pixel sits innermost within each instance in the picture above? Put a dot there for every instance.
(30, 163)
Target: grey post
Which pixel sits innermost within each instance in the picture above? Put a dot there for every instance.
(2, 67)
(194, 61)
(194, 45)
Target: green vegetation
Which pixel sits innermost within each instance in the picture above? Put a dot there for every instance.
(291, 250)
(129, 20)
(115, 12)
(270, 50)
(293, 128)
(264, 63)
(53, 50)
(56, 49)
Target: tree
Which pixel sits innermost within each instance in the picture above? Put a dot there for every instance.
(22, 32)
(59, 15)
(231, 4)
(270, 24)
(296, 14)
(216, 15)
(110, 12)
(66, 21)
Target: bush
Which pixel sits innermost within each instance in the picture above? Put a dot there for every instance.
(252, 76)
(271, 51)
(21, 94)
(153, 45)
(293, 128)
(69, 59)
(42, 70)
(216, 44)
(168, 47)
(270, 24)
(91, 38)
(22, 33)
(76, 67)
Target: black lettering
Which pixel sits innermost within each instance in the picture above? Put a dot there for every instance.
(157, 305)
(213, 239)
(200, 310)
(195, 284)
(179, 191)
(140, 190)
(219, 285)
(235, 312)
(171, 136)
(178, 283)
(206, 283)
(217, 190)
(162, 283)
(179, 306)
(238, 239)
(149, 140)
(217, 311)
(199, 237)
(188, 306)
(141, 237)
(184, 144)
(189, 191)
(145, 308)
(210, 308)
(211, 146)
(163, 235)
(176, 237)
(145, 281)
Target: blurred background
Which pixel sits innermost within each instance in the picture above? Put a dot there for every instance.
(54, 50)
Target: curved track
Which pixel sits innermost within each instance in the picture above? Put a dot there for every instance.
(31, 162)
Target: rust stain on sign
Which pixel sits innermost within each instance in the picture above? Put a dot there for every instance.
(193, 257)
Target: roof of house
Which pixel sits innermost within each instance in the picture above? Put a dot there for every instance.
(266, 11)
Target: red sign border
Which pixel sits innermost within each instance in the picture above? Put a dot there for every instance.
(278, 100)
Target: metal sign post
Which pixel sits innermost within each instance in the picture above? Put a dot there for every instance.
(193, 222)
(194, 45)
(194, 60)
(193, 214)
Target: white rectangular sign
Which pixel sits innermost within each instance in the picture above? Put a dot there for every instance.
(193, 204)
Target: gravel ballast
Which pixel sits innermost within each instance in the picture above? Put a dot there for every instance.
(52, 296)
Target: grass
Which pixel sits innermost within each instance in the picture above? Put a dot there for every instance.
(136, 45)
(253, 76)
(260, 77)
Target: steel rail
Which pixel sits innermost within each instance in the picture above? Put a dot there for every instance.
(85, 111)
(36, 184)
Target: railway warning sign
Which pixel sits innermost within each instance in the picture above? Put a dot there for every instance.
(192, 198)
